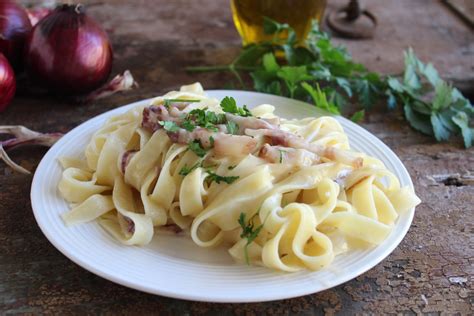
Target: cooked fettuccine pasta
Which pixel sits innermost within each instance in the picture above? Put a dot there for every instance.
(285, 194)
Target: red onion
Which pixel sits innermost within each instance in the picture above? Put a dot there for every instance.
(36, 14)
(68, 52)
(14, 28)
(7, 83)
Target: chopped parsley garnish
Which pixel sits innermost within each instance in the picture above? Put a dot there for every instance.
(168, 102)
(211, 141)
(215, 118)
(188, 125)
(229, 105)
(197, 116)
(212, 128)
(204, 118)
(249, 232)
(207, 119)
(187, 170)
(232, 128)
(170, 126)
(196, 147)
(217, 178)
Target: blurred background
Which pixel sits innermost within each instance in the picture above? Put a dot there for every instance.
(145, 34)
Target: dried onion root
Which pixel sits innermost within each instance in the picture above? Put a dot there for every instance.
(23, 136)
(119, 83)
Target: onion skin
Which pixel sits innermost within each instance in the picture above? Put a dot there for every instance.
(14, 29)
(36, 14)
(7, 83)
(68, 53)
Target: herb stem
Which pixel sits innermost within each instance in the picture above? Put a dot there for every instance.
(246, 254)
(239, 78)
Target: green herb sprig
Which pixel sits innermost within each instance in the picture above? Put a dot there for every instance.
(316, 70)
(208, 119)
(213, 177)
(229, 105)
(185, 170)
(431, 105)
(232, 127)
(249, 232)
(196, 147)
(204, 118)
(317, 61)
(169, 126)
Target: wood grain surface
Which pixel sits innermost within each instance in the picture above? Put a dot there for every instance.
(430, 272)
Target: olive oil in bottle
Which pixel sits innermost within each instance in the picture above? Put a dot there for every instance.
(248, 16)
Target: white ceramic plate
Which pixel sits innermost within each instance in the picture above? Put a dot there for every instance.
(172, 265)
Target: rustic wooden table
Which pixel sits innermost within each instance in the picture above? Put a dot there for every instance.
(432, 270)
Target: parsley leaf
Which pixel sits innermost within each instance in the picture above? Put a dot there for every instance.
(217, 178)
(443, 97)
(417, 120)
(187, 170)
(368, 88)
(271, 26)
(461, 119)
(266, 79)
(358, 116)
(292, 75)
(196, 147)
(319, 98)
(214, 118)
(440, 131)
(170, 126)
(269, 63)
(229, 105)
(232, 127)
(431, 105)
(188, 125)
(203, 118)
(249, 232)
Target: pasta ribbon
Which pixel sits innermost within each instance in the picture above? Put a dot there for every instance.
(296, 243)
(77, 185)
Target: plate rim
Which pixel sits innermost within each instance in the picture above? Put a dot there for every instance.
(103, 273)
